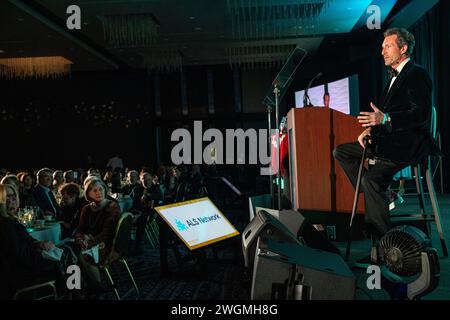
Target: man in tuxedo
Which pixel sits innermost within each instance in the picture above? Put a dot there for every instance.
(398, 130)
(44, 196)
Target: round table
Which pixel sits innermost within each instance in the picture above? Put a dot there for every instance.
(50, 232)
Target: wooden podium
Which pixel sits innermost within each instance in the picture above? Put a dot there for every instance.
(317, 183)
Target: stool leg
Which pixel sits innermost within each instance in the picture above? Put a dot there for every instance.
(436, 211)
(374, 249)
(419, 187)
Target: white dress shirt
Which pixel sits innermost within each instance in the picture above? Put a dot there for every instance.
(399, 69)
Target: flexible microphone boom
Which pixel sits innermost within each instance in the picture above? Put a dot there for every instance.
(306, 101)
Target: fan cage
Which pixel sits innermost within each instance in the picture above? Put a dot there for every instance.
(401, 248)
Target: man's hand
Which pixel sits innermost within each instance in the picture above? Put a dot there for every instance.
(370, 119)
(46, 245)
(362, 135)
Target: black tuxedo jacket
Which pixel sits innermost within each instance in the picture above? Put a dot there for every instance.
(407, 139)
(41, 199)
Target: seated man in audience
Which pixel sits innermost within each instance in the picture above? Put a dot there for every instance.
(69, 176)
(132, 182)
(195, 184)
(71, 205)
(93, 172)
(116, 182)
(44, 196)
(145, 196)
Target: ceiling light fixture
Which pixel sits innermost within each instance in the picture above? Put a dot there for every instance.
(259, 56)
(130, 30)
(273, 19)
(35, 67)
(163, 60)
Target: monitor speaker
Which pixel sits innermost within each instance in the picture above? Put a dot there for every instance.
(290, 271)
(305, 232)
(263, 224)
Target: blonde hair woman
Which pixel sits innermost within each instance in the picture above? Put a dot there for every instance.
(20, 254)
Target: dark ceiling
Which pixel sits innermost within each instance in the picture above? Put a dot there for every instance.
(195, 32)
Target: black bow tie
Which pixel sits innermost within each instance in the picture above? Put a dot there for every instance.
(392, 73)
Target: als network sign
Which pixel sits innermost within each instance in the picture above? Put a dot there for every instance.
(197, 222)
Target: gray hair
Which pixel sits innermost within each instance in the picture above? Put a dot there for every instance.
(404, 37)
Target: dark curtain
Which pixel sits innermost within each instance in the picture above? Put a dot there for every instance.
(432, 35)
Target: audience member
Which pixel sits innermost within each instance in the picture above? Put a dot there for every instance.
(97, 224)
(26, 190)
(69, 176)
(21, 259)
(71, 205)
(43, 196)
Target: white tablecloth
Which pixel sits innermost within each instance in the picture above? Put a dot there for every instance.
(51, 232)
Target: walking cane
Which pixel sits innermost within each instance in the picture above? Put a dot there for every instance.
(355, 199)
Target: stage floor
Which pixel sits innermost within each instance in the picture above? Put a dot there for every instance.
(411, 205)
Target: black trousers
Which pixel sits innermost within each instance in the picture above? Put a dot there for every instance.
(374, 184)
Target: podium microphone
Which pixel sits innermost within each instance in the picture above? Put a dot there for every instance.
(306, 101)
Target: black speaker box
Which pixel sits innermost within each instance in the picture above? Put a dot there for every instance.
(263, 224)
(305, 231)
(293, 271)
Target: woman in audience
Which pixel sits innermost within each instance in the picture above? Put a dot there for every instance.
(58, 180)
(20, 254)
(107, 177)
(11, 180)
(97, 225)
(173, 183)
(25, 192)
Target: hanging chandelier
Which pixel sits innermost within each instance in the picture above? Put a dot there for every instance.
(259, 56)
(35, 67)
(130, 30)
(162, 60)
(274, 19)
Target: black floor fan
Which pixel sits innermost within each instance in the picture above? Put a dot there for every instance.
(409, 265)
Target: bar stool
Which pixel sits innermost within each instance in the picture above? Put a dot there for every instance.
(436, 216)
(423, 216)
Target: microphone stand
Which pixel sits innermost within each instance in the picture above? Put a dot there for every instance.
(276, 92)
(306, 100)
(280, 84)
(269, 111)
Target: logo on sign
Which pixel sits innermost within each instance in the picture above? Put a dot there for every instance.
(180, 225)
(202, 220)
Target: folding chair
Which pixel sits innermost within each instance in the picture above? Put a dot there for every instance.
(120, 246)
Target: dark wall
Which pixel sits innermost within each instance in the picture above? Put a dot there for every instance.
(59, 123)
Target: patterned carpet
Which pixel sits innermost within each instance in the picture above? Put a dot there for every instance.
(221, 278)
